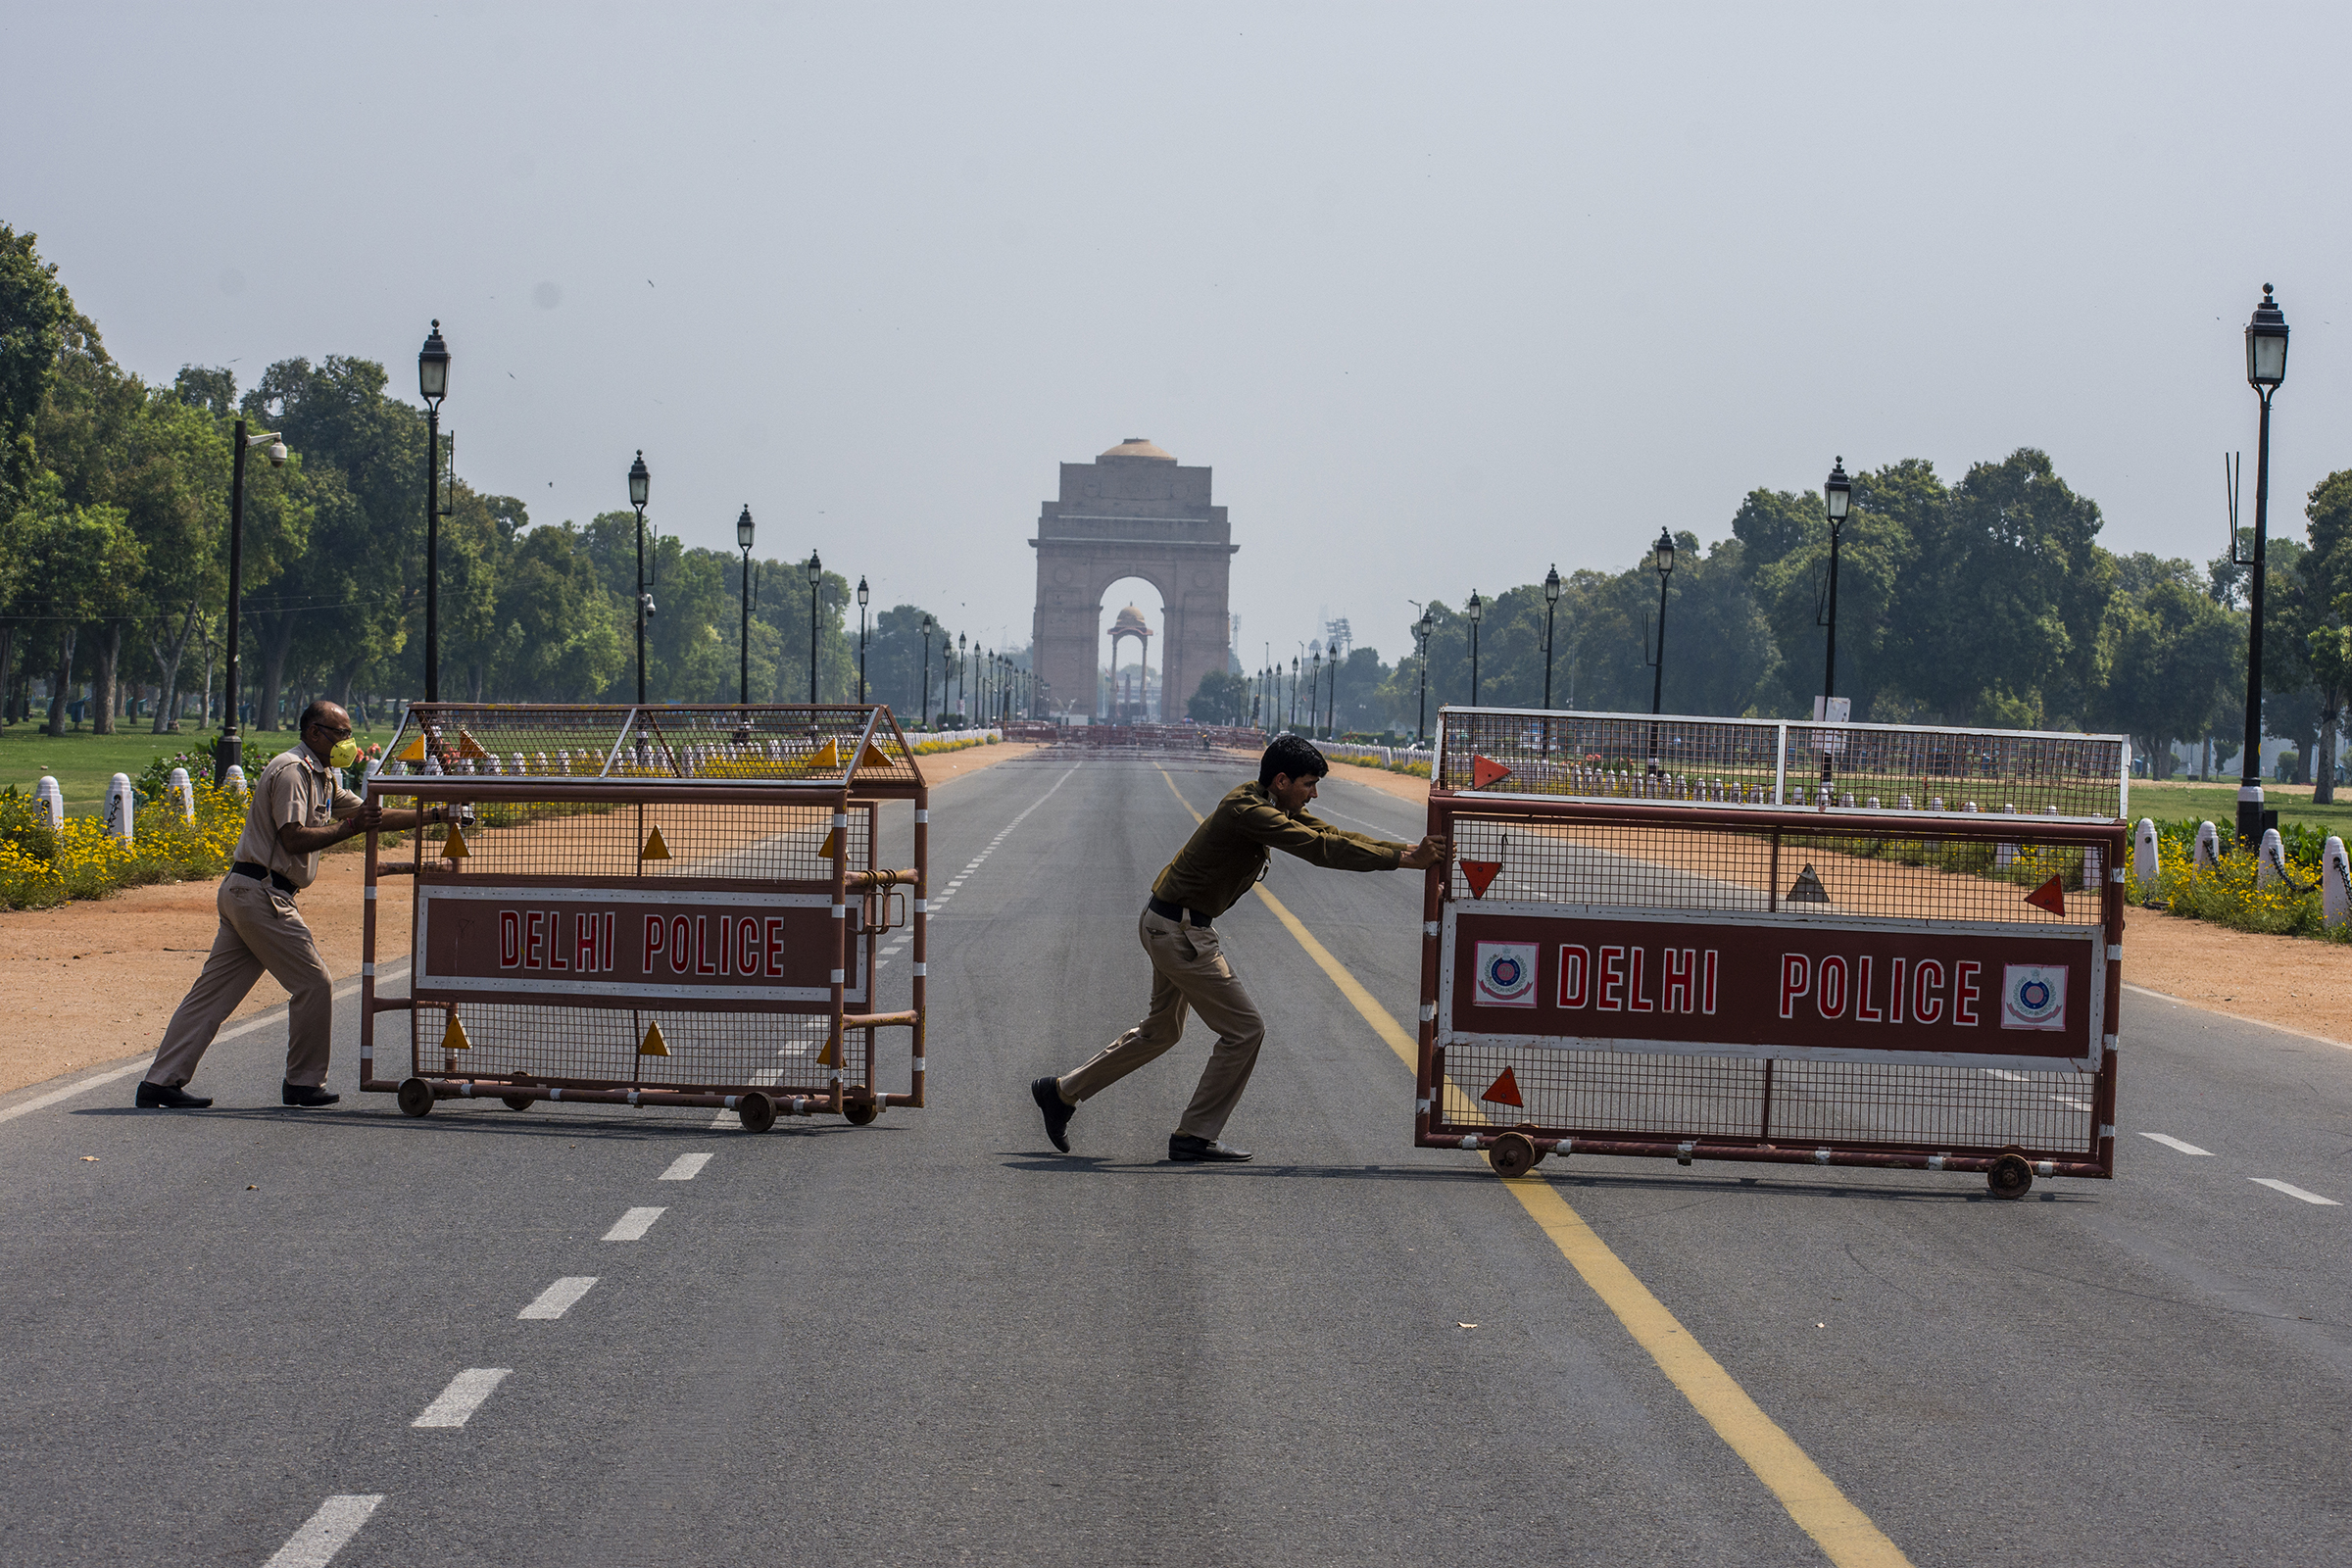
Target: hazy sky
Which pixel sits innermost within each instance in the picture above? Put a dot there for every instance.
(1445, 293)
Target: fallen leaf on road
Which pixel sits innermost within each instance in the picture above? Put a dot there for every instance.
(1467, 1325)
(92, 1159)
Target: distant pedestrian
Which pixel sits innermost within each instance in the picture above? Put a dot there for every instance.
(1224, 859)
(298, 808)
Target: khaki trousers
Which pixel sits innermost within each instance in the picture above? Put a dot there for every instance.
(260, 933)
(1189, 973)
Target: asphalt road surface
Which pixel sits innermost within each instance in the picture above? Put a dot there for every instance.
(255, 1335)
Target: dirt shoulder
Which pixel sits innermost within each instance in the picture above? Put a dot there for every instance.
(95, 981)
(2294, 983)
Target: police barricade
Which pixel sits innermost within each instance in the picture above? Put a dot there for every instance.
(653, 906)
(1682, 959)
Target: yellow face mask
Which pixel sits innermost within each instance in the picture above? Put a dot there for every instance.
(346, 753)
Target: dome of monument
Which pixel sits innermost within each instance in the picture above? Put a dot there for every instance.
(1139, 446)
(1130, 620)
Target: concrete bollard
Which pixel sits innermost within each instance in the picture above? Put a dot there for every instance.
(2144, 861)
(234, 778)
(51, 800)
(2336, 885)
(183, 790)
(2270, 865)
(122, 806)
(2209, 847)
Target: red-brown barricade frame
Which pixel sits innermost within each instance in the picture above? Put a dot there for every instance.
(1447, 1115)
(854, 785)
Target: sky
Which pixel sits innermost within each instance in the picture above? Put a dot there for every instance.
(1444, 294)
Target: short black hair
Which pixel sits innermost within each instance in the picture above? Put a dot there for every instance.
(312, 715)
(1293, 757)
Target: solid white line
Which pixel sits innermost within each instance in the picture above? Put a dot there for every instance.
(685, 1168)
(2071, 1103)
(633, 1225)
(2169, 1141)
(464, 1396)
(2196, 1006)
(2292, 1190)
(44, 1101)
(325, 1531)
(558, 1298)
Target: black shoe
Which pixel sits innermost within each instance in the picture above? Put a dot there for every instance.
(311, 1095)
(1184, 1148)
(1047, 1092)
(166, 1097)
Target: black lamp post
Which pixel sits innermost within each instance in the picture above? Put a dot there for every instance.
(432, 381)
(816, 575)
(230, 752)
(1551, 601)
(1477, 610)
(1294, 703)
(923, 671)
(1314, 693)
(946, 658)
(743, 542)
(1331, 709)
(2266, 367)
(862, 639)
(1661, 555)
(641, 485)
(1422, 628)
(1837, 494)
(959, 678)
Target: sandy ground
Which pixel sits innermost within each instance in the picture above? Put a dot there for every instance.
(96, 981)
(2291, 982)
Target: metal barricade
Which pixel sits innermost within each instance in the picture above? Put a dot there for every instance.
(1652, 965)
(656, 906)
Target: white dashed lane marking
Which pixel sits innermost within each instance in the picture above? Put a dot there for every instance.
(558, 1298)
(2292, 1190)
(633, 1225)
(325, 1531)
(686, 1167)
(2169, 1141)
(464, 1396)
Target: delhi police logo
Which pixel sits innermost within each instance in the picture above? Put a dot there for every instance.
(2033, 996)
(1507, 974)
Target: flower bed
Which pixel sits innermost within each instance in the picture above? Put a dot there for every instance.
(2230, 892)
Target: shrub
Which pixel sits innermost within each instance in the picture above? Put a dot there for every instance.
(2229, 892)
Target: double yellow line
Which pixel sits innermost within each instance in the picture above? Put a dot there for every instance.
(1842, 1531)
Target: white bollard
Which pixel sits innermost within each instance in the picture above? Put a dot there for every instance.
(234, 778)
(2144, 861)
(2209, 847)
(122, 806)
(52, 801)
(2336, 885)
(183, 790)
(1902, 803)
(519, 765)
(2269, 868)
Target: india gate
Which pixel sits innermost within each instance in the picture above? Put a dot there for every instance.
(1134, 512)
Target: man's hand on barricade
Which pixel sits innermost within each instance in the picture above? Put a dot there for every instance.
(1431, 850)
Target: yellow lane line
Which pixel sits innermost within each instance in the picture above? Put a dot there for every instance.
(1843, 1532)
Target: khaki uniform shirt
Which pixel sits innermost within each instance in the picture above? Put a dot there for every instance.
(1234, 842)
(296, 787)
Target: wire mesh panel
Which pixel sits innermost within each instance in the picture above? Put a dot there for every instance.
(1726, 979)
(1884, 768)
(788, 743)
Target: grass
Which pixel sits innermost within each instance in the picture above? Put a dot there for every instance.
(2217, 805)
(83, 764)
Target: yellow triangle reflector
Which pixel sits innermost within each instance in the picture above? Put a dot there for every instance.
(831, 1056)
(654, 848)
(832, 846)
(872, 757)
(827, 756)
(454, 846)
(653, 1044)
(413, 752)
(454, 1038)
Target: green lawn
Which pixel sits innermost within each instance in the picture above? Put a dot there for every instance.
(83, 764)
(2217, 804)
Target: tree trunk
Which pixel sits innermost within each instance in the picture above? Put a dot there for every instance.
(65, 678)
(277, 641)
(106, 658)
(2323, 783)
(168, 657)
(8, 662)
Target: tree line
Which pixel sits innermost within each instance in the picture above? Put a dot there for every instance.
(114, 560)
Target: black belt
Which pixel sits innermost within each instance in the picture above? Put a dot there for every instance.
(262, 873)
(1175, 911)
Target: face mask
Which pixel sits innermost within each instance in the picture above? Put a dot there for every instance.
(346, 753)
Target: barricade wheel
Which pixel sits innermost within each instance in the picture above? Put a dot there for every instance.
(517, 1101)
(861, 1113)
(756, 1110)
(2010, 1176)
(415, 1097)
(1512, 1154)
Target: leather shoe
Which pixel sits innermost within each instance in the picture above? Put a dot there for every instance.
(314, 1095)
(1047, 1092)
(1184, 1148)
(167, 1097)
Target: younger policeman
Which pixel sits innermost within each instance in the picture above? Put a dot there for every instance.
(1225, 858)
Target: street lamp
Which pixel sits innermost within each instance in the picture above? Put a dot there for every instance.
(641, 485)
(432, 381)
(2266, 367)
(1837, 493)
(923, 671)
(1551, 601)
(959, 662)
(817, 575)
(1294, 722)
(230, 752)
(1478, 612)
(1314, 692)
(743, 542)
(1422, 628)
(1331, 711)
(862, 639)
(1661, 555)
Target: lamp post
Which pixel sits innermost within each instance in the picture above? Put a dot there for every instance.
(946, 656)
(743, 542)
(1477, 613)
(1661, 555)
(1837, 494)
(230, 752)
(862, 639)
(432, 381)
(1551, 601)
(641, 484)
(923, 671)
(959, 662)
(816, 575)
(2266, 367)
(1294, 704)
(1331, 709)
(1314, 693)
(1422, 628)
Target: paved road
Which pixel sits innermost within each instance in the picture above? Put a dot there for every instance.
(933, 1340)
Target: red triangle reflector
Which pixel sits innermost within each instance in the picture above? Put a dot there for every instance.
(1485, 771)
(2050, 896)
(1479, 873)
(1504, 1091)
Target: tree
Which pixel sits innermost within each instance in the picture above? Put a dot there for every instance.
(1223, 698)
(2322, 612)
(35, 309)
(2168, 653)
